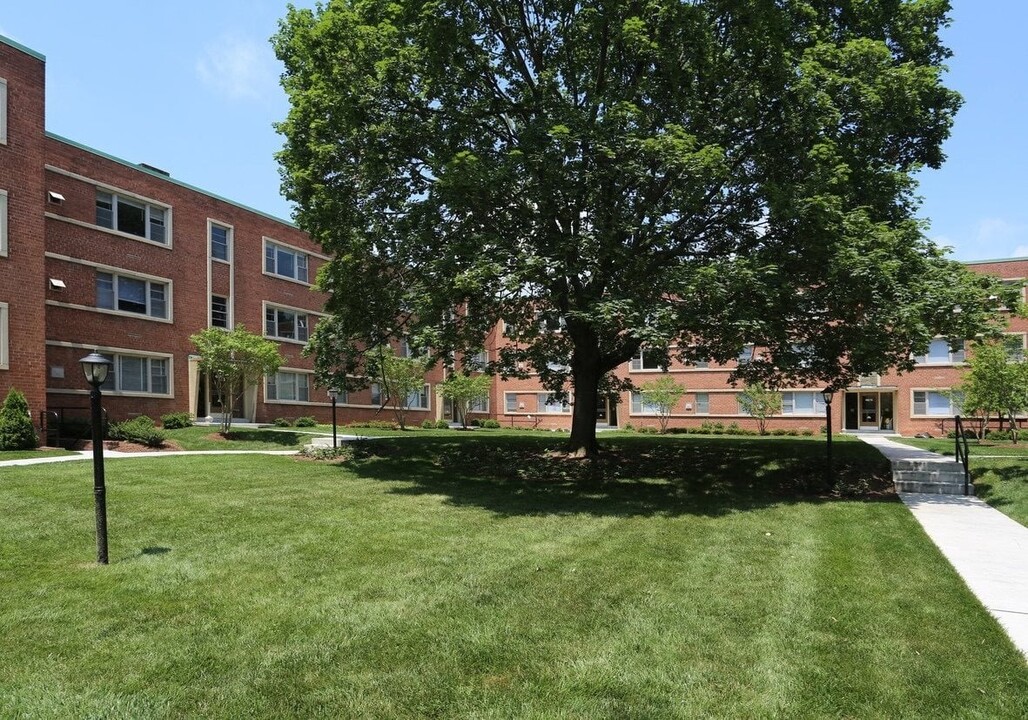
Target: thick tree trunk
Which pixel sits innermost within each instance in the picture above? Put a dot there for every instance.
(586, 374)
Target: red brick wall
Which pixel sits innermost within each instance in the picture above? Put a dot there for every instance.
(21, 272)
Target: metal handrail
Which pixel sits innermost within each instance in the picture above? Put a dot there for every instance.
(962, 452)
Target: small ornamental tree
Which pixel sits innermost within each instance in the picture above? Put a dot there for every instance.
(465, 390)
(662, 394)
(761, 404)
(401, 377)
(233, 358)
(996, 382)
(16, 430)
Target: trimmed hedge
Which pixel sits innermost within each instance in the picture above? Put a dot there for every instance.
(141, 430)
(175, 421)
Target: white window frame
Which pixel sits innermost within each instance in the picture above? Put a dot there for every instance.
(115, 277)
(545, 405)
(952, 357)
(229, 240)
(953, 407)
(3, 111)
(641, 407)
(295, 373)
(297, 314)
(118, 196)
(638, 363)
(296, 252)
(228, 312)
(705, 403)
(789, 402)
(5, 357)
(3, 223)
(424, 398)
(116, 374)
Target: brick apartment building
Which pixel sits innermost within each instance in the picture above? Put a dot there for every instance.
(101, 253)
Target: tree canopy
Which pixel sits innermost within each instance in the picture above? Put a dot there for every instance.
(688, 176)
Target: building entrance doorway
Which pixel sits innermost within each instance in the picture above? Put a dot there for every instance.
(607, 411)
(869, 411)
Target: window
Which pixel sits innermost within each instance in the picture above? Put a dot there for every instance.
(289, 386)
(746, 354)
(648, 360)
(702, 403)
(376, 394)
(511, 401)
(342, 397)
(477, 361)
(480, 405)
(285, 262)
(137, 374)
(219, 311)
(134, 217)
(3, 111)
(700, 364)
(803, 403)
(408, 349)
(418, 400)
(3, 223)
(131, 295)
(546, 403)
(641, 407)
(285, 324)
(1014, 346)
(5, 360)
(936, 403)
(939, 353)
(220, 241)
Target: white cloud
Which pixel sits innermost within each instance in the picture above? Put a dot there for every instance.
(238, 67)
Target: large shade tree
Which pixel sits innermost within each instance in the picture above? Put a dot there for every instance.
(683, 175)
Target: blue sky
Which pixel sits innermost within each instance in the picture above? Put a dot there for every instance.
(192, 87)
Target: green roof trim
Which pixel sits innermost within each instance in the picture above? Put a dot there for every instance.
(18, 46)
(160, 176)
(996, 260)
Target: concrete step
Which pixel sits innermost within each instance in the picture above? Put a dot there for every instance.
(933, 488)
(928, 464)
(930, 475)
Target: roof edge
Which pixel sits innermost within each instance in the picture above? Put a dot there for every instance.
(994, 260)
(18, 46)
(146, 171)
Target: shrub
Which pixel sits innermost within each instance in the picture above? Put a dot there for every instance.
(475, 423)
(648, 430)
(428, 424)
(306, 421)
(733, 429)
(806, 432)
(282, 422)
(174, 421)
(778, 432)
(628, 427)
(490, 424)
(139, 430)
(16, 429)
(442, 424)
(375, 424)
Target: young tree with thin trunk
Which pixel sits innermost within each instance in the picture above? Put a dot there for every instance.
(463, 391)
(402, 378)
(603, 177)
(662, 394)
(761, 404)
(234, 358)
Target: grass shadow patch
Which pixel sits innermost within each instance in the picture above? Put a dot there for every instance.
(631, 477)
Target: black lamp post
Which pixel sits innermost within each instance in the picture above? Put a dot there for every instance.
(826, 395)
(334, 394)
(96, 367)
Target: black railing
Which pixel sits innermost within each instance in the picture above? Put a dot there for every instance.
(66, 425)
(961, 452)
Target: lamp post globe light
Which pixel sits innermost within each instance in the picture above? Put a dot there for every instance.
(826, 395)
(96, 368)
(334, 394)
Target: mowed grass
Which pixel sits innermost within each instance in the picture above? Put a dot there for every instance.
(29, 454)
(477, 576)
(999, 471)
(209, 437)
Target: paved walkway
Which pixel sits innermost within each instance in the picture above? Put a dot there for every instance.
(987, 549)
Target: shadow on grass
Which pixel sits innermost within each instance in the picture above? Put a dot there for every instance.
(272, 437)
(632, 476)
(987, 478)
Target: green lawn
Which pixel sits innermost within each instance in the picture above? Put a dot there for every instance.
(209, 438)
(476, 576)
(1000, 481)
(28, 454)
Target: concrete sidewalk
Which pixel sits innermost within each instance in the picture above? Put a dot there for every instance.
(987, 549)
